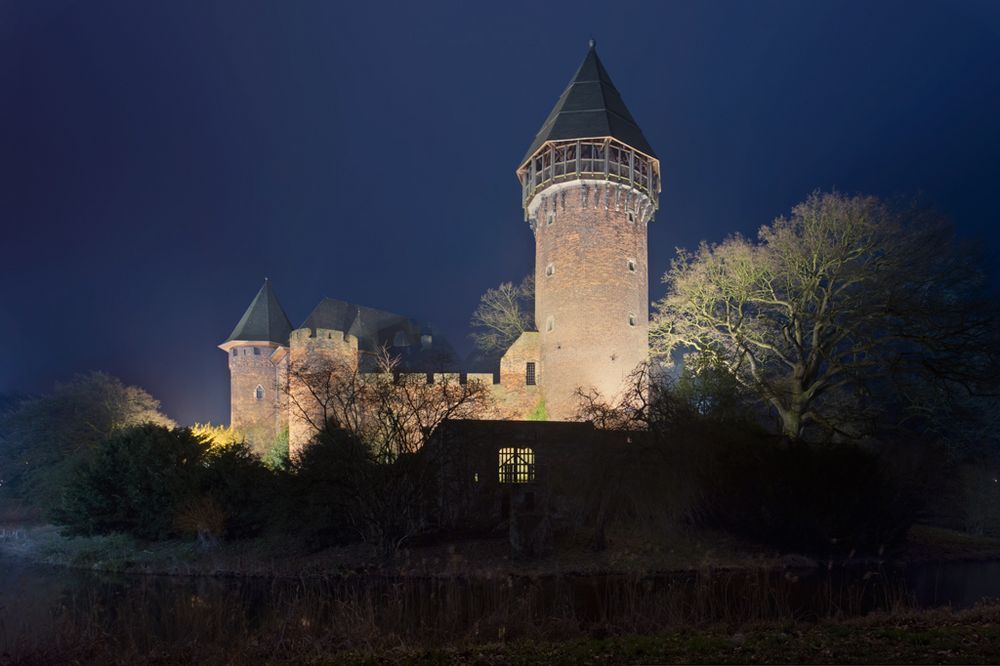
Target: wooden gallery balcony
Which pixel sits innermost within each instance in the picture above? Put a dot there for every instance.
(590, 159)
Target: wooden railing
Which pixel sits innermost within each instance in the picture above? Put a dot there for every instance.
(599, 159)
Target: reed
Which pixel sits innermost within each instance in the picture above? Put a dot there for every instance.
(222, 621)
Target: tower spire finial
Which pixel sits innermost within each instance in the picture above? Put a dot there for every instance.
(592, 42)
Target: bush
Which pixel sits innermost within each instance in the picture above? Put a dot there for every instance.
(338, 492)
(238, 485)
(831, 499)
(319, 493)
(135, 482)
(43, 438)
(154, 482)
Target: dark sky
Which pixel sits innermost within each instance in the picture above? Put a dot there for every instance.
(159, 159)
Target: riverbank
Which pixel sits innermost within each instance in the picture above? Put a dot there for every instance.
(903, 637)
(928, 637)
(626, 553)
(276, 557)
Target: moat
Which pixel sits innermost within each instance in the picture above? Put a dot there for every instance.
(40, 604)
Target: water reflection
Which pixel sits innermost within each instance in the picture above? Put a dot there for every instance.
(39, 603)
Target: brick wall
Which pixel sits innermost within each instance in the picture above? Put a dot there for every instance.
(313, 351)
(258, 418)
(586, 291)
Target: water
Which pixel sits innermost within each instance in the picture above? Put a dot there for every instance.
(40, 604)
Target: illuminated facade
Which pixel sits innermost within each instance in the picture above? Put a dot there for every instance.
(590, 184)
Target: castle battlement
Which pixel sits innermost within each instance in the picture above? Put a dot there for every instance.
(322, 337)
(486, 378)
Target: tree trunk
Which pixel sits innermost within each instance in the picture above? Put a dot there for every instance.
(791, 418)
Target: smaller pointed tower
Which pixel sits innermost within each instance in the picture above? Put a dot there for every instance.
(258, 350)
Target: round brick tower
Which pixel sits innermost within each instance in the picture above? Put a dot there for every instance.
(590, 184)
(255, 349)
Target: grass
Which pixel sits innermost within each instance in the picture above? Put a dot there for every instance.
(629, 551)
(632, 550)
(926, 543)
(926, 637)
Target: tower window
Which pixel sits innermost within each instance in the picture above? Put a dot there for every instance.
(517, 465)
(550, 270)
(234, 352)
(529, 373)
(256, 351)
(631, 265)
(550, 219)
(550, 323)
(259, 392)
(631, 319)
(631, 216)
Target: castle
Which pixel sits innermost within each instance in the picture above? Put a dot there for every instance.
(590, 184)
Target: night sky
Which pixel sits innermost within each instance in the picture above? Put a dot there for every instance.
(159, 159)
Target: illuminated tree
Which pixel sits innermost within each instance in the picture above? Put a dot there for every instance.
(844, 317)
(217, 436)
(41, 437)
(502, 315)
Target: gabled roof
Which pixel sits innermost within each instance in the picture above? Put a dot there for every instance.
(264, 321)
(591, 107)
(360, 321)
(376, 328)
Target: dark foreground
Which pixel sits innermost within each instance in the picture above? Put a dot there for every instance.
(925, 637)
(929, 637)
(466, 606)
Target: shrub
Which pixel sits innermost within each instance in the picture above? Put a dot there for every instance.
(821, 499)
(154, 482)
(134, 482)
(980, 498)
(338, 491)
(276, 457)
(319, 493)
(43, 438)
(235, 482)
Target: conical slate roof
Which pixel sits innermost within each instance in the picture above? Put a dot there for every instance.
(264, 321)
(591, 107)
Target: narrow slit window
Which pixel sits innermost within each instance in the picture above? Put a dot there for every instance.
(529, 373)
(517, 465)
(550, 323)
(256, 351)
(259, 392)
(631, 265)
(631, 320)
(235, 351)
(550, 219)
(550, 270)
(631, 216)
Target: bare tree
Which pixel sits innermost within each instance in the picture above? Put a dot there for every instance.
(834, 313)
(392, 412)
(375, 423)
(503, 314)
(42, 437)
